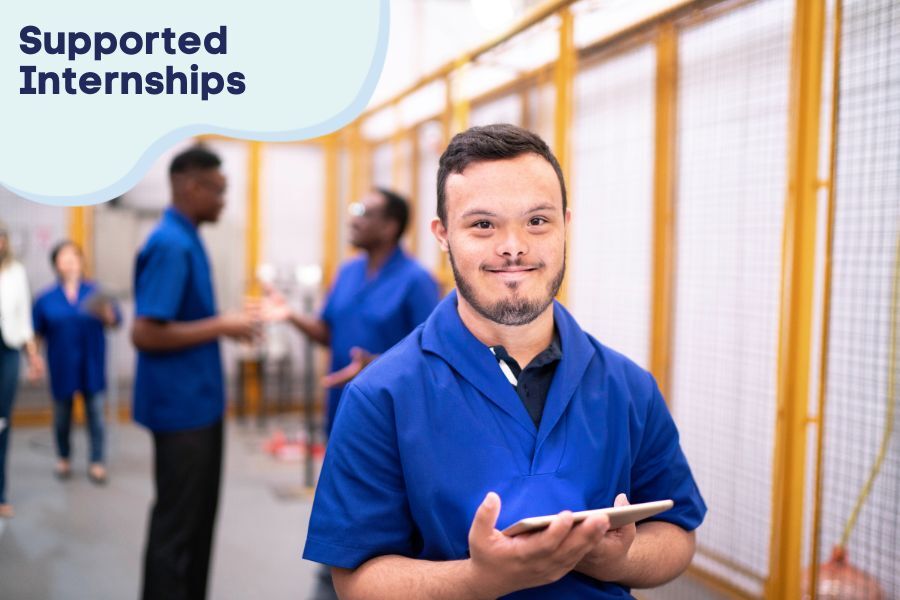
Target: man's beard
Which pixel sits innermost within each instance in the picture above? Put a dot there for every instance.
(513, 310)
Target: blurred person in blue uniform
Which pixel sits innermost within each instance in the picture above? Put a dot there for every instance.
(376, 300)
(16, 333)
(70, 316)
(501, 395)
(179, 389)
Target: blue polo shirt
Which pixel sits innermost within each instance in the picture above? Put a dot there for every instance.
(375, 312)
(425, 432)
(180, 389)
(75, 341)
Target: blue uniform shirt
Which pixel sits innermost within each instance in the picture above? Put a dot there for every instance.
(425, 432)
(76, 344)
(375, 312)
(180, 389)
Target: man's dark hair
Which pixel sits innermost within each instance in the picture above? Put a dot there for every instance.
(396, 208)
(491, 142)
(196, 158)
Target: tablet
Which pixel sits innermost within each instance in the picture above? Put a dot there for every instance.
(618, 516)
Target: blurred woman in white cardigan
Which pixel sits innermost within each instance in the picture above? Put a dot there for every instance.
(15, 333)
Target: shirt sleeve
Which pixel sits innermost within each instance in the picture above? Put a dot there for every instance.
(361, 509)
(24, 307)
(660, 469)
(422, 298)
(162, 274)
(327, 313)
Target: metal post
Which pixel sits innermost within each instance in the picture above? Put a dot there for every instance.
(308, 396)
(564, 77)
(663, 201)
(797, 279)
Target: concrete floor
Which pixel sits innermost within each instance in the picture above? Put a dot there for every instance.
(73, 540)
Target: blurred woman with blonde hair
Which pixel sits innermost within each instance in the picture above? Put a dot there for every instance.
(15, 333)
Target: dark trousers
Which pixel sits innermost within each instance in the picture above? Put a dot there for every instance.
(179, 540)
(62, 425)
(9, 381)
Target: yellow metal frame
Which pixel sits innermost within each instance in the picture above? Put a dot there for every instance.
(813, 572)
(563, 81)
(330, 210)
(252, 233)
(797, 280)
(81, 231)
(662, 298)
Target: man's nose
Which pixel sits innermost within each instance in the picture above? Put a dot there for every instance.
(513, 243)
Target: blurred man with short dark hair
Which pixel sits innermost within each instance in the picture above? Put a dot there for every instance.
(179, 389)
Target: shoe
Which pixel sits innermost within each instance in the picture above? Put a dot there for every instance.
(63, 470)
(97, 474)
(6, 511)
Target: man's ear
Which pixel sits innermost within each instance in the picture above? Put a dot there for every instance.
(440, 234)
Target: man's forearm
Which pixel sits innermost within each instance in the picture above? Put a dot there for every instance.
(315, 328)
(661, 552)
(402, 578)
(157, 336)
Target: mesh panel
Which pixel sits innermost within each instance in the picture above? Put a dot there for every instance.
(382, 165)
(612, 197)
(866, 229)
(505, 109)
(732, 126)
(430, 148)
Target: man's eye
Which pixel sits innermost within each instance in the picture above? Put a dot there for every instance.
(537, 221)
(482, 225)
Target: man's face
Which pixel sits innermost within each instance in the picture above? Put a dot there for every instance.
(505, 233)
(368, 225)
(206, 188)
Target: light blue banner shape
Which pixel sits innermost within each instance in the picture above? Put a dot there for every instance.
(309, 68)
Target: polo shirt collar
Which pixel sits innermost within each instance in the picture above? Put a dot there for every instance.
(445, 335)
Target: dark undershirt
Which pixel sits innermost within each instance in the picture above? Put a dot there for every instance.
(533, 382)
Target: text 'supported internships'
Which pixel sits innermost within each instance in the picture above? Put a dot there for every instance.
(74, 45)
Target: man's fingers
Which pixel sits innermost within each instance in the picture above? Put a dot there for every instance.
(621, 500)
(485, 517)
(341, 375)
(549, 540)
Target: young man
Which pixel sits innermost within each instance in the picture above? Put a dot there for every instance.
(377, 298)
(178, 391)
(433, 435)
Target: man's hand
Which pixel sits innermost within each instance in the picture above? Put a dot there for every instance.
(607, 559)
(242, 326)
(274, 307)
(359, 359)
(501, 565)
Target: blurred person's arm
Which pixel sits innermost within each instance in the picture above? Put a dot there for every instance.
(36, 366)
(153, 335)
(111, 314)
(162, 276)
(359, 359)
(275, 308)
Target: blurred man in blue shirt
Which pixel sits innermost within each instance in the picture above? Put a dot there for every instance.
(376, 299)
(501, 395)
(179, 390)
